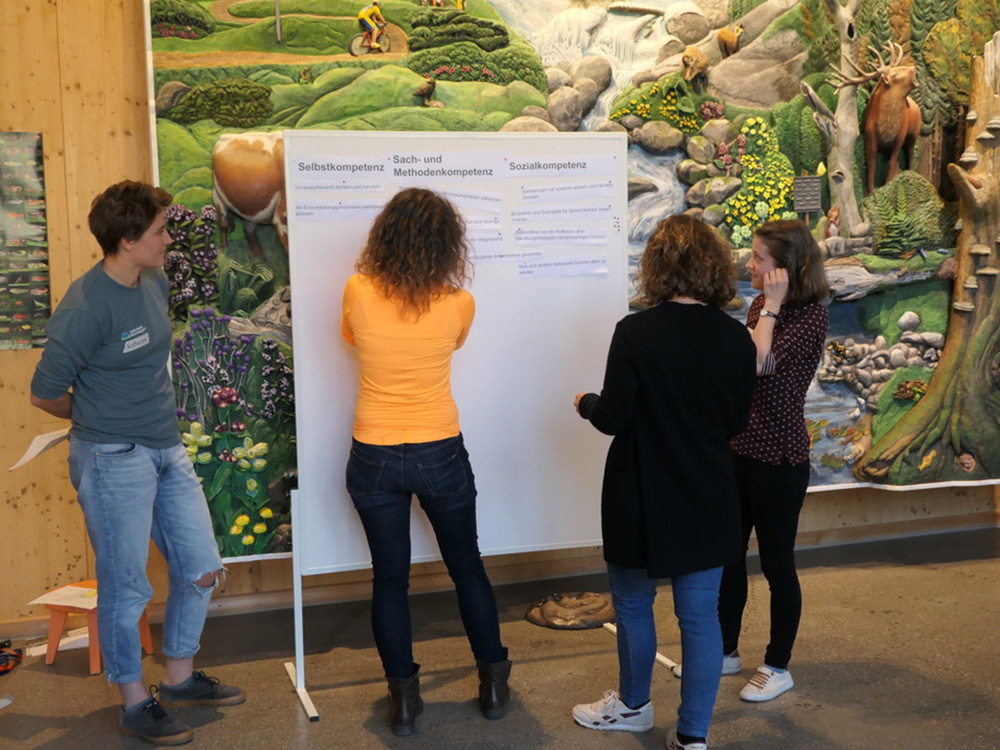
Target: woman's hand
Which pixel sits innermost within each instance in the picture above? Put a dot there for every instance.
(576, 402)
(775, 289)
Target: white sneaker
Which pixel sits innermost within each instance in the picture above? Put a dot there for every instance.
(766, 684)
(610, 713)
(673, 743)
(730, 665)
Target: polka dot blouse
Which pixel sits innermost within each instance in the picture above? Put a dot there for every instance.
(777, 427)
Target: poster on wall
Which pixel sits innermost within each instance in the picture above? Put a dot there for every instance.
(25, 302)
(724, 108)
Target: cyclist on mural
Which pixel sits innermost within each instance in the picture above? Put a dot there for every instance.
(370, 19)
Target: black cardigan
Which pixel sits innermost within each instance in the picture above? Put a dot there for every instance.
(678, 386)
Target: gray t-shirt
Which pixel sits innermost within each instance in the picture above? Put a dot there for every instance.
(110, 343)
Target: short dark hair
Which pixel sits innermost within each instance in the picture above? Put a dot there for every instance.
(124, 212)
(686, 258)
(416, 249)
(793, 248)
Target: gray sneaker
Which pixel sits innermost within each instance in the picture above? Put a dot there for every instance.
(201, 691)
(153, 724)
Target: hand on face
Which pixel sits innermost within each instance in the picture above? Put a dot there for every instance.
(775, 288)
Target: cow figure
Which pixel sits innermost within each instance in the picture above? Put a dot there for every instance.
(892, 118)
(248, 180)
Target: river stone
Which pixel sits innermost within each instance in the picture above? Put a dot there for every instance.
(533, 110)
(524, 124)
(721, 188)
(640, 185)
(686, 21)
(588, 90)
(690, 171)
(714, 215)
(696, 195)
(700, 149)
(719, 131)
(594, 67)
(672, 47)
(864, 377)
(169, 95)
(557, 78)
(908, 321)
(695, 213)
(565, 107)
(658, 137)
(897, 356)
(763, 73)
(610, 126)
(631, 122)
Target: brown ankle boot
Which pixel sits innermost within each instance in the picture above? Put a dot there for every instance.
(494, 695)
(405, 703)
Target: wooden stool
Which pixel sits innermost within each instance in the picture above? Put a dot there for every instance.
(57, 623)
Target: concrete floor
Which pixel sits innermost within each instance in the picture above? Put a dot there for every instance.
(897, 649)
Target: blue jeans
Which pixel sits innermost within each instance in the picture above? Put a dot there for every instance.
(696, 597)
(129, 493)
(381, 480)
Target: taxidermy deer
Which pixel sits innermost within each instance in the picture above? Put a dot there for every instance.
(729, 39)
(892, 118)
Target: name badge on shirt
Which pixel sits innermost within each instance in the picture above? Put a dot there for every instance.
(136, 343)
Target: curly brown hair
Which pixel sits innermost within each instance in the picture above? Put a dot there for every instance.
(416, 249)
(686, 258)
(792, 246)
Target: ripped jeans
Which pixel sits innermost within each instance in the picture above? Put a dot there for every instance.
(130, 493)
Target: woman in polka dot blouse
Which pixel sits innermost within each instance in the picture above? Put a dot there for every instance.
(788, 323)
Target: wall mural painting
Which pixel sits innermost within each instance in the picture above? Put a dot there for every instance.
(892, 103)
(24, 247)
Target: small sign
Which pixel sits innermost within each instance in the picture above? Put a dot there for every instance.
(808, 194)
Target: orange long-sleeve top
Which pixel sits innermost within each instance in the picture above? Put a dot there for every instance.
(404, 390)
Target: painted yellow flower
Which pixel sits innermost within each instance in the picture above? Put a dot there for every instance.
(235, 530)
(240, 452)
(259, 528)
(192, 450)
(266, 512)
(248, 540)
(259, 464)
(243, 465)
(204, 458)
(242, 520)
(252, 485)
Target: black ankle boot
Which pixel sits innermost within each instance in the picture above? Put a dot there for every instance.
(405, 703)
(494, 695)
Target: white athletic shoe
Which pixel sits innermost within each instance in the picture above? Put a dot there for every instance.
(672, 743)
(611, 714)
(730, 665)
(766, 684)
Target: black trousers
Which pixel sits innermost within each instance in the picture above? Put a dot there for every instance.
(770, 501)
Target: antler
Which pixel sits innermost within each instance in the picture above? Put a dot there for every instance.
(841, 79)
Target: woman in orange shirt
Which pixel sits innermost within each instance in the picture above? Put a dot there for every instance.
(406, 313)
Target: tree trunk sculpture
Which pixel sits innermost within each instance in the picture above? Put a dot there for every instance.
(840, 130)
(953, 432)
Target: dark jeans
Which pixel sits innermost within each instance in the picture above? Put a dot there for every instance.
(381, 480)
(770, 500)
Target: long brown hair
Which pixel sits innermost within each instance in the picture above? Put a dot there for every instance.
(685, 258)
(791, 245)
(416, 249)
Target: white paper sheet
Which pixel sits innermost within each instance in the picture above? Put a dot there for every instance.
(40, 444)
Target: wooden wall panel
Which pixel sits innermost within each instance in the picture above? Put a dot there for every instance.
(76, 71)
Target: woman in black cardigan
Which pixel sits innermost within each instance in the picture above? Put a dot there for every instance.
(678, 387)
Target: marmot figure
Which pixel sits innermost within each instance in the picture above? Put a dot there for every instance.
(729, 39)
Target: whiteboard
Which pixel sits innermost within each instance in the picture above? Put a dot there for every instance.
(546, 219)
